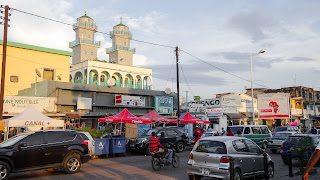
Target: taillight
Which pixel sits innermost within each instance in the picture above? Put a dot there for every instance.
(282, 146)
(225, 159)
(191, 156)
(86, 143)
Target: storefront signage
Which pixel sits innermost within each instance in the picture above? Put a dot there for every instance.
(163, 104)
(130, 100)
(274, 105)
(84, 103)
(214, 112)
(17, 104)
(296, 112)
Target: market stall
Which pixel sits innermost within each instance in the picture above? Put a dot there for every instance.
(155, 117)
(32, 119)
(189, 119)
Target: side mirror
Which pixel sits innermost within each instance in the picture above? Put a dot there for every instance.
(21, 145)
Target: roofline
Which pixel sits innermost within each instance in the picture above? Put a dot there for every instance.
(38, 48)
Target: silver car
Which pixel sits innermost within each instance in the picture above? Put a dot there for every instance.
(211, 155)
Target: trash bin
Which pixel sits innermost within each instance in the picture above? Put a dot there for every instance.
(117, 145)
(101, 146)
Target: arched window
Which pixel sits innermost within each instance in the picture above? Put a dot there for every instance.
(102, 78)
(95, 78)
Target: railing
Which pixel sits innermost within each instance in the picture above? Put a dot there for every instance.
(147, 87)
(84, 41)
(85, 25)
(118, 84)
(128, 86)
(122, 32)
(104, 83)
(91, 81)
(138, 86)
(78, 81)
(120, 47)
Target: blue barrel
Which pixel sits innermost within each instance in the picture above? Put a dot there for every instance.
(101, 146)
(117, 144)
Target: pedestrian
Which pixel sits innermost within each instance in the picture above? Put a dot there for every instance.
(223, 131)
(197, 134)
(229, 133)
(312, 161)
(239, 133)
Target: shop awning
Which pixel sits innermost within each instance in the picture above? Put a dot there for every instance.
(235, 116)
(73, 116)
(189, 119)
(125, 117)
(155, 117)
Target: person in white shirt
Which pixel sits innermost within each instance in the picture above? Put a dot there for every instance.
(312, 161)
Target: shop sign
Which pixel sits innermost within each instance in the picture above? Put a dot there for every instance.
(274, 105)
(130, 100)
(84, 103)
(163, 104)
(214, 112)
(296, 112)
(17, 104)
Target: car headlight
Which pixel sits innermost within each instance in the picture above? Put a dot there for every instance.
(142, 140)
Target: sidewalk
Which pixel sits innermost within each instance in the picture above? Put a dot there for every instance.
(283, 174)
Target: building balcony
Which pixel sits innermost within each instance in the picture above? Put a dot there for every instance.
(84, 41)
(128, 86)
(85, 25)
(126, 33)
(120, 47)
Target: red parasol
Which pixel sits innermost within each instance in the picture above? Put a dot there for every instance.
(126, 117)
(189, 119)
(155, 117)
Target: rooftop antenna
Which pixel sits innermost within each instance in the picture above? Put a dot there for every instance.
(85, 11)
(120, 20)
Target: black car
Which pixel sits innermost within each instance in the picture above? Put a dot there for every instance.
(173, 135)
(42, 150)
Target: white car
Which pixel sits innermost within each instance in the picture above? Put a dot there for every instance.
(88, 138)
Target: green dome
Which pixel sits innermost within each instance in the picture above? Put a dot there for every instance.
(85, 16)
(121, 25)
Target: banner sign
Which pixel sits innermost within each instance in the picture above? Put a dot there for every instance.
(201, 106)
(163, 104)
(296, 112)
(215, 112)
(274, 105)
(17, 104)
(130, 100)
(84, 103)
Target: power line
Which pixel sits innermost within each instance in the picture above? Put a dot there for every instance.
(185, 78)
(172, 57)
(222, 69)
(50, 19)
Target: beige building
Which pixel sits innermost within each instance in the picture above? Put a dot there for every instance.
(118, 72)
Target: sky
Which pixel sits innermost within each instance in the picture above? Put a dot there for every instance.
(215, 39)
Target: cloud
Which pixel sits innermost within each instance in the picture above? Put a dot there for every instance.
(139, 60)
(304, 59)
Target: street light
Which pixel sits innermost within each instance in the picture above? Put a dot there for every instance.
(253, 116)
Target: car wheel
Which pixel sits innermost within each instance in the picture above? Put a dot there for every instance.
(72, 163)
(265, 145)
(237, 174)
(194, 177)
(270, 170)
(180, 146)
(273, 150)
(156, 165)
(4, 170)
(175, 161)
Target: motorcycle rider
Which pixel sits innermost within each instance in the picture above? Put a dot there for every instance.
(156, 147)
(164, 141)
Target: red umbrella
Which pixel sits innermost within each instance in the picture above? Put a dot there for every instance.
(155, 117)
(189, 119)
(126, 117)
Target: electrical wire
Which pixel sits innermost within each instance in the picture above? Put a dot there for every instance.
(169, 73)
(222, 69)
(185, 78)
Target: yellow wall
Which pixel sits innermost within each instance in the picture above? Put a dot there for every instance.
(23, 63)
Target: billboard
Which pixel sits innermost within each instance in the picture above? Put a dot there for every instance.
(214, 112)
(84, 103)
(202, 105)
(130, 100)
(163, 104)
(274, 105)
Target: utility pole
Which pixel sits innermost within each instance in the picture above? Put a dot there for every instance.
(187, 102)
(4, 57)
(178, 94)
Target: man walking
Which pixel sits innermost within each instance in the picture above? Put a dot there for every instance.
(312, 161)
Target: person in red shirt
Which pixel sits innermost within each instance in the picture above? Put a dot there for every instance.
(155, 145)
(229, 133)
(197, 134)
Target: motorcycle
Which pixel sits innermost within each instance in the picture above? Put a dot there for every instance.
(157, 163)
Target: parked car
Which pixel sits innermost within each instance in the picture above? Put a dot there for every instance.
(294, 140)
(286, 128)
(260, 134)
(316, 131)
(277, 139)
(208, 134)
(43, 150)
(90, 142)
(173, 135)
(211, 155)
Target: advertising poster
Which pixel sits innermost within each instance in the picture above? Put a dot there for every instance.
(274, 106)
(164, 104)
(130, 100)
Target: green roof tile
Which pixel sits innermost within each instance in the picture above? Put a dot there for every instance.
(38, 48)
(85, 16)
(120, 25)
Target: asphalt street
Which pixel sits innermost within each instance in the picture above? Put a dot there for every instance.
(137, 166)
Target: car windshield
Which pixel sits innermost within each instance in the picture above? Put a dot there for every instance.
(282, 135)
(235, 130)
(149, 133)
(280, 129)
(209, 146)
(13, 140)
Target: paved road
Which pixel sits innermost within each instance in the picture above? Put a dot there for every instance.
(138, 166)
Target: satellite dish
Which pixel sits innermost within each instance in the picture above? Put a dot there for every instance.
(111, 82)
(167, 90)
(59, 77)
(38, 73)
